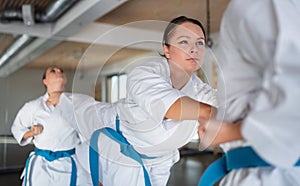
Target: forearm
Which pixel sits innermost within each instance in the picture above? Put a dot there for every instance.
(186, 108)
(27, 135)
(35, 130)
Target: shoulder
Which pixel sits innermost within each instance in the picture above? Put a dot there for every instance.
(238, 12)
(76, 96)
(155, 67)
(238, 9)
(78, 99)
(154, 64)
(35, 102)
(32, 104)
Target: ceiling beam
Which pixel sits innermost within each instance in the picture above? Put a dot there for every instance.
(18, 28)
(72, 22)
(129, 35)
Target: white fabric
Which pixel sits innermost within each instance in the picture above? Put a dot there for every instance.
(149, 96)
(90, 115)
(114, 174)
(260, 54)
(58, 134)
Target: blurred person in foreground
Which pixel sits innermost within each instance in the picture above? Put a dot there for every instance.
(258, 123)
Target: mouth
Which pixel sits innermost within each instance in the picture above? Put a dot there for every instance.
(193, 59)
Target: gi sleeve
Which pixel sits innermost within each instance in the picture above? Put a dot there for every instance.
(153, 93)
(22, 124)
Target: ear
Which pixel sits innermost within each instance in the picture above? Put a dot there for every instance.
(45, 82)
(166, 51)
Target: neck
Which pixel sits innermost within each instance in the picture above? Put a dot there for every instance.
(53, 98)
(179, 77)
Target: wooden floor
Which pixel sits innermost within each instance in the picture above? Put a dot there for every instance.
(189, 169)
(186, 172)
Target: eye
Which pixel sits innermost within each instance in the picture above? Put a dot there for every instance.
(183, 42)
(200, 43)
(52, 70)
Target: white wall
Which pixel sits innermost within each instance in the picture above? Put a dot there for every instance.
(25, 85)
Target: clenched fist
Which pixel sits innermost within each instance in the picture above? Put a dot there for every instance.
(36, 129)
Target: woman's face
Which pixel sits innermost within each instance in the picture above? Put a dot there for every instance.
(187, 47)
(55, 77)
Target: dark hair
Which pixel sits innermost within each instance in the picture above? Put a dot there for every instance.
(178, 21)
(44, 74)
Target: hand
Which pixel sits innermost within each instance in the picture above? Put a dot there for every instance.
(208, 132)
(37, 129)
(213, 132)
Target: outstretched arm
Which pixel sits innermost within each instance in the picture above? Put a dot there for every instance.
(186, 108)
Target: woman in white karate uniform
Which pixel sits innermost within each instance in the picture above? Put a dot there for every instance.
(160, 113)
(49, 122)
(260, 52)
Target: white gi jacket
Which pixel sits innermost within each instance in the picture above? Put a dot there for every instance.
(58, 134)
(260, 52)
(149, 96)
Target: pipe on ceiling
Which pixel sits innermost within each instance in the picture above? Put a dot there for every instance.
(51, 14)
(55, 10)
(18, 45)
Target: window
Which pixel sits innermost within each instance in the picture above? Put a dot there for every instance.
(116, 87)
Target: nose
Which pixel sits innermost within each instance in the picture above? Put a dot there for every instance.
(59, 70)
(193, 49)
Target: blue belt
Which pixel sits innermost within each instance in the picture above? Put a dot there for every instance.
(243, 157)
(51, 156)
(125, 147)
